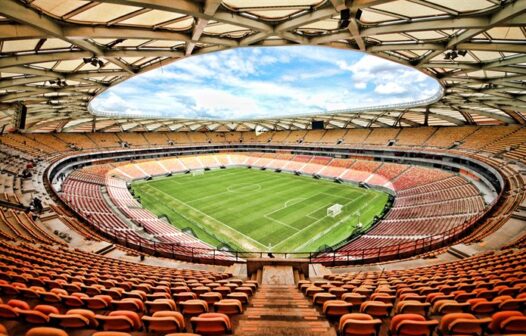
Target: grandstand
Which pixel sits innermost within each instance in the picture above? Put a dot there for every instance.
(106, 231)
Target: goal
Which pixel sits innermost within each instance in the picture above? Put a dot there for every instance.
(334, 210)
(198, 172)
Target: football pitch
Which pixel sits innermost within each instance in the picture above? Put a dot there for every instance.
(254, 210)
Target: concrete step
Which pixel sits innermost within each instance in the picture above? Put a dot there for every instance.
(282, 310)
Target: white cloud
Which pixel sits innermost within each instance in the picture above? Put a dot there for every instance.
(360, 85)
(264, 82)
(390, 88)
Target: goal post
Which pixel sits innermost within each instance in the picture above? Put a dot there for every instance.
(334, 210)
(198, 172)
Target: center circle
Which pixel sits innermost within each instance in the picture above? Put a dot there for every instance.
(243, 187)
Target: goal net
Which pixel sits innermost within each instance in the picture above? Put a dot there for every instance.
(334, 210)
(198, 172)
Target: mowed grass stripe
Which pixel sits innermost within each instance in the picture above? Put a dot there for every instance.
(211, 223)
(266, 207)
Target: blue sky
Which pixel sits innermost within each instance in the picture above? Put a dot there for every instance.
(251, 83)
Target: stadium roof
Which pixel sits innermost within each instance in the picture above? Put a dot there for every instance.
(57, 55)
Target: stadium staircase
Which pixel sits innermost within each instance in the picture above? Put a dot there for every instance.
(276, 304)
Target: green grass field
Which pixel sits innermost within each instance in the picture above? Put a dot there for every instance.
(255, 210)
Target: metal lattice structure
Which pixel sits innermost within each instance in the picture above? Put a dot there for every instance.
(476, 49)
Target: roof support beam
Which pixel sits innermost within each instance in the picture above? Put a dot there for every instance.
(210, 9)
(507, 12)
(16, 11)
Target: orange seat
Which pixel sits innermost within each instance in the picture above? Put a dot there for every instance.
(70, 320)
(320, 298)
(160, 305)
(355, 298)
(383, 297)
(242, 289)
(193, 307)
(336, 308)
(20, 304)
(359, 324)
(411, 325)
(211, 324)
(46, 331)
(482, 306)
(8, 313)
(412, 307)
(110, 333)
(499, 317)
(211, 297)
(242, 297)
(376, 308)
(72, 300)
(338, 291)
(88, 314)
(462, 324)
(164, 321)
(120, 320)
(442, 307)
(310, 291)
(38, 315)
(3, 330)
(514, 324)
(184, 296)
(229, 306)
(131, 304)
(97, 302)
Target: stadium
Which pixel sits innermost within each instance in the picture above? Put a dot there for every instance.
(295, 214)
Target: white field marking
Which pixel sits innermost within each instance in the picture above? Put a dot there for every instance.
(227, 191)
(288, 203)
(313, 223)
(208, 174)
(286, 206)
(232, 187)
(324, 206)
(280, 222)
(212, 218)
(335, 224)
